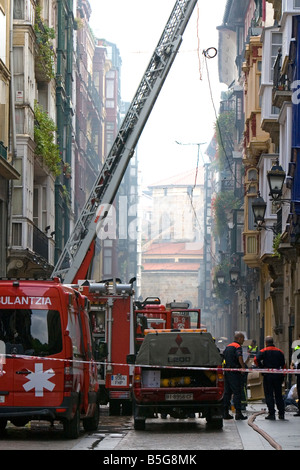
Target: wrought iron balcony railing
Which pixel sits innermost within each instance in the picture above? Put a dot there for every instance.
(3, 150)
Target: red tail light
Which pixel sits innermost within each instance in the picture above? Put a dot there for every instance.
(220, 377)
(68, 376)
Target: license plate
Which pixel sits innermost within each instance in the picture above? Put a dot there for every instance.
(179, 396)
(119, 380)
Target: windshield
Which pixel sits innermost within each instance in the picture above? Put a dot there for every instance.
(31, 332)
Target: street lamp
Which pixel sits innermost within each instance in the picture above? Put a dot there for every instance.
(276, 177)
(234, 275)
(259, 209)
(220, 276)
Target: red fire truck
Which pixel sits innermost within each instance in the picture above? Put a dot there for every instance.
(151, 314)
(112, 320)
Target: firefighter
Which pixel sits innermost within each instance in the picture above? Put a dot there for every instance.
(296, 365)
(272, 358)
(233, 357)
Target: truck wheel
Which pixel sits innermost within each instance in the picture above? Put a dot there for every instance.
(114, 408)
(3, 423)
(139, 424)
(127, 408)
(91, 424)
(72, 426)
(139, 421)
(216, 423)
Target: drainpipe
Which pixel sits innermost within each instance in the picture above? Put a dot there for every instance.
(12, 85)
(13, 140)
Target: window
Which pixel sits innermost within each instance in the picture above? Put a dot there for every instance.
(296, 4)
(19, 74)
(75, 332)
(275, 46)
(252, 175)
(16, 234)
(3, 42)
(19, 9)
(32, 332)
(40, 207)
(43, 95)
(251, 223)
(20, 118)
(97, 81)
(110, 89)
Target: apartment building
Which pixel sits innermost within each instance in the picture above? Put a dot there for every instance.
(265, 64)
(54, 135)
(31, 216)
(8, 172)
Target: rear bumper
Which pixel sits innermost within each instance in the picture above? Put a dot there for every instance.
(30, 414)
(209, 410)
(196, 406)
(64, 411)
(209, 404)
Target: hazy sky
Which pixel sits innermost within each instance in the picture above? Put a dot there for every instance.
(184, 110)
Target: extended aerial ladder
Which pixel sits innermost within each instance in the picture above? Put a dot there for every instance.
(102, 195)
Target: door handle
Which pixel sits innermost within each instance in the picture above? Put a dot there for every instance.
(23, 372)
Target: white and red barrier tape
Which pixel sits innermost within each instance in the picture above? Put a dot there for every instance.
(215, 369)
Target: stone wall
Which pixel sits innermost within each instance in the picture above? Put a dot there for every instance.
(170, 286)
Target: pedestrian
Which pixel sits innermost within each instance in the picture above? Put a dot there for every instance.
(233, 357)
(296, 365)
(272, 358)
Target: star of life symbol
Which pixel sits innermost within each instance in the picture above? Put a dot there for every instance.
(39, 380)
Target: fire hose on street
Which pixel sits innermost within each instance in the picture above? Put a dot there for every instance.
(261, 431)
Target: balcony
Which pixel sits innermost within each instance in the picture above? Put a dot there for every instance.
(31, 253)
(6, 169)
(251, 249)
(256, 141)
(40, 243)
(281, 84)
(269, 113)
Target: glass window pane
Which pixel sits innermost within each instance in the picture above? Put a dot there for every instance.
(32, 332)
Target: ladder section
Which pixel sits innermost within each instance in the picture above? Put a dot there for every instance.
(92, 217)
